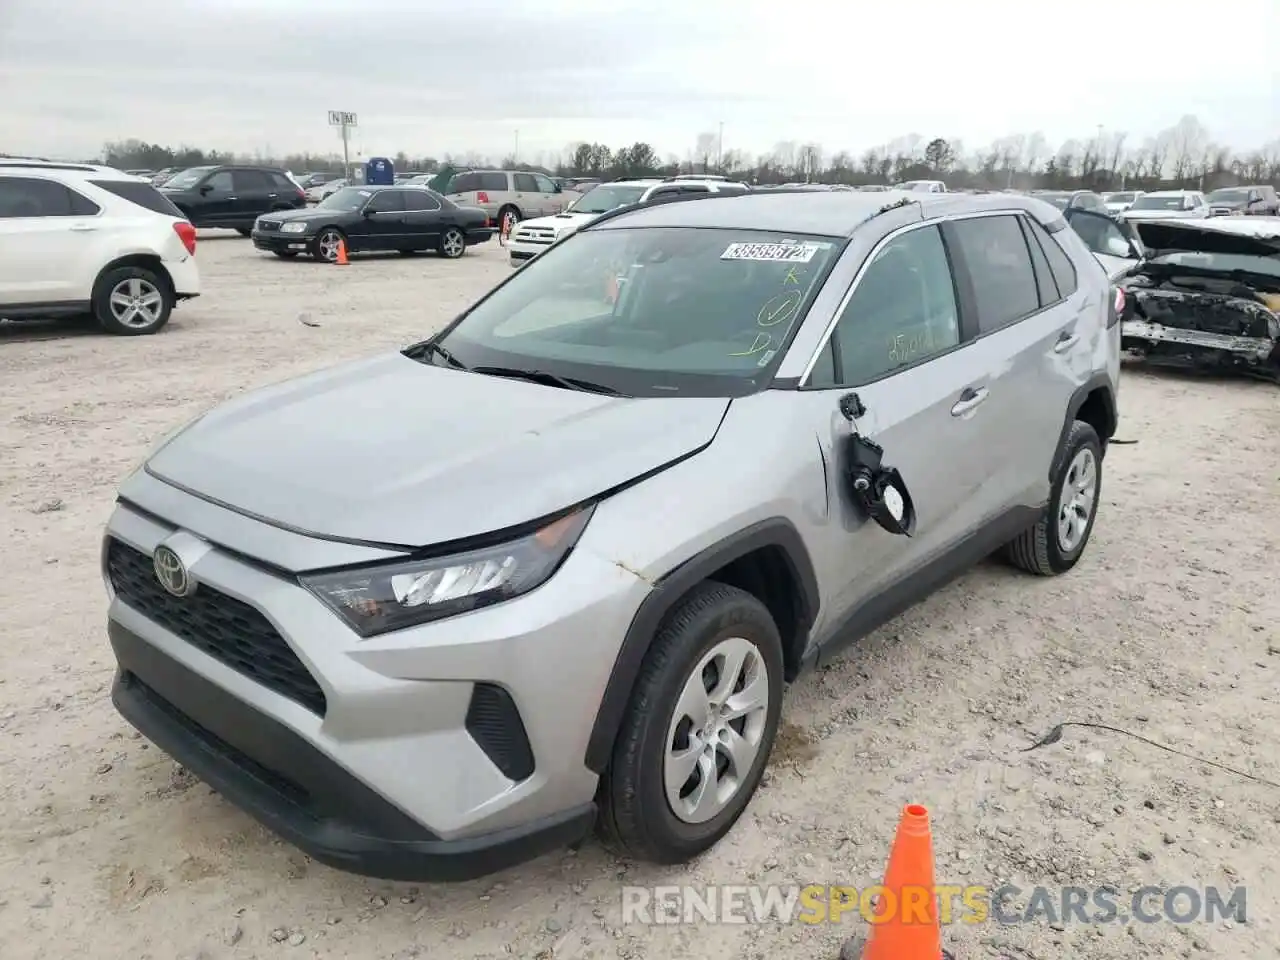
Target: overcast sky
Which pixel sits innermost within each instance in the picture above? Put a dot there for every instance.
(431, 77)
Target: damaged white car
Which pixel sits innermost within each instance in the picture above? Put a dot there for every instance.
(1199, 294)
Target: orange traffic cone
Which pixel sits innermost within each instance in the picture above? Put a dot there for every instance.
(905, 925)
(342, 253)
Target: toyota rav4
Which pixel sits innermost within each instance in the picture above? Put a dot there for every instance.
(432, 613)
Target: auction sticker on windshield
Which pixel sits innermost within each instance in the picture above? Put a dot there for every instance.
(772, 252)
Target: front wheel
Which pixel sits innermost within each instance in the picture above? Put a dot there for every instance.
(1057, 540)
(132, 301)
(244, 231)
(327, 244)
(698, 730)
(453, 244)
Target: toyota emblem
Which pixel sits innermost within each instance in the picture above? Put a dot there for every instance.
(171, 572)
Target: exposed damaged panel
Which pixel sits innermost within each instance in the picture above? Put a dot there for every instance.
(1206, 295)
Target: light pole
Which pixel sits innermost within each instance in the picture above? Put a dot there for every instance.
(720, 149)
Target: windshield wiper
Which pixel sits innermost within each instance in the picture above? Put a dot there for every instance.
(424, 350)
(549, 379)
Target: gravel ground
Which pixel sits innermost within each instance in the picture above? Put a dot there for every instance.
(1167, 629)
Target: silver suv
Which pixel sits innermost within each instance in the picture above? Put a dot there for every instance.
(751, 429)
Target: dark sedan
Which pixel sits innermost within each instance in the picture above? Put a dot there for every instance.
(374, 218)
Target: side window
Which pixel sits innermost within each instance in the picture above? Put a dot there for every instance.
(220, 182)
(544, 183)
(663, 194)
(29, 197)
(419, 200)
(494, 182)
(525, 183)
(1064, 271)
(250, 181)
(1004, 285)
(280, 182)
(695, 188)
(387, 201)
(1044, 274)
(902, 312)
(465, 183)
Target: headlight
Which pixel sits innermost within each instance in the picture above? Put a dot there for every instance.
(294, 227)
(378, 599)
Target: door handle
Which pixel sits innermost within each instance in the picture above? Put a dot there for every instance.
(970, 400)
(233, 198)
(1066, 342)
(84, 227)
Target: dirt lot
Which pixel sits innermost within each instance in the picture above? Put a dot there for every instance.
(1167, 628)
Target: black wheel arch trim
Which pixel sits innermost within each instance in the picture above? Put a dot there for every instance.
(667, 591)
(1098, 382)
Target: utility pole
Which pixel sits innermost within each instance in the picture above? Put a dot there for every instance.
(346, 156)
(720, 149)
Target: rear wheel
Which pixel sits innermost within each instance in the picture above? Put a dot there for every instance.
(243, 231)
(508, 217)
(698, 730)
(1057, 541)
(132, 301)
(453, 244)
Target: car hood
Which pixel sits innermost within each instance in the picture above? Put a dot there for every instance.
(561, 221)
(1245, 236)
(1132, 214)
(280, 216)
(393, 451)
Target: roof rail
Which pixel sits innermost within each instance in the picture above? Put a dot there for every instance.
(32, 164)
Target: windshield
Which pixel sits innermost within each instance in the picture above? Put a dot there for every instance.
(348, 198)
(656, 311)
(603, 199)
(1160, 203)
(1228, 196)
(187, 178)
(1119, 198)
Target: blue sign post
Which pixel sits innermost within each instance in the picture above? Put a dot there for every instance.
(379, 171)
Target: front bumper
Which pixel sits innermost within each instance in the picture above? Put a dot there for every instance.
(433, 753)
(276, 242)
(285, 783)
(522, 251)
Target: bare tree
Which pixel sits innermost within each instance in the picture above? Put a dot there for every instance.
(1187, 141)
(704, 151)
(809, 161)
(1035, 150)
(1116, 151)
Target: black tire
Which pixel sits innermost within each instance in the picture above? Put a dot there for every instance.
(244, 231)
(285, 254)
(319, 239)
(1038, 549)
(118, 281)
(636, 819)
(510, 210)
(453, 243)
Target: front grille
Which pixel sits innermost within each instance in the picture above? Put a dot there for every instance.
(225, 628)
(268, 226)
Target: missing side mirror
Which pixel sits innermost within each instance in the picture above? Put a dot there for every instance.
(879, 491)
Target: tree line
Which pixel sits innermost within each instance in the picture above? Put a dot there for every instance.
(1184, 155)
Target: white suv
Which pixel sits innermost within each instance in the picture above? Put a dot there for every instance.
(77, 238)
(531, 237)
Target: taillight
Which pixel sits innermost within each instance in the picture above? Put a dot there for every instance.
(1117, 307)
(1118, 302)
(482, 197)
(187, 234)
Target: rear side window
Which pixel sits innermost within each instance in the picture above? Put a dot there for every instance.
(420, 200)
(1064, 271)
(280, 181)
(250, 180)
(30, 197)
(525, 183)
(1044, 274)
(1004, 284)
(142, 194)
(465, 183)
(493, 182)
